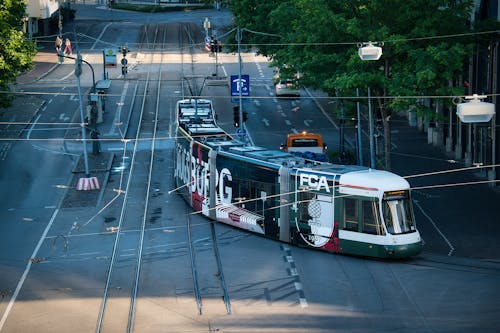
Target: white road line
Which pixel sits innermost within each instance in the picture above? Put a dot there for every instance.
(26, 271)
(118, 111)
(100, 36)
(436, 227)
(33, 126)
(67, 76)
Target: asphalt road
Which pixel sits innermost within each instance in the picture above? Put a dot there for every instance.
(52, 275)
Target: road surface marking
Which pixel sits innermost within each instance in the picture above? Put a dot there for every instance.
(435, 227)
(26, 271)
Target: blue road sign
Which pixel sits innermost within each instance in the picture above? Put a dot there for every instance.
(241, 133)
(244, 85)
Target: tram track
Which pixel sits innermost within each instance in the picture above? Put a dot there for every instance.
(205, 289)
(118, 305)
(204, 252)
(478, 266)
(119, 302)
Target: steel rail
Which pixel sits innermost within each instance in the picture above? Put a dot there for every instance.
(220, 273)
(122, 213)
(194, 272)
(192, 254)
(130, 324)
(219, 267)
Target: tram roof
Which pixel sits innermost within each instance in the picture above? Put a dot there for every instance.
(192, 102)
(377, 179)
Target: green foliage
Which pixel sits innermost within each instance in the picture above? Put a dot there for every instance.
(16, 53)
(319, 39)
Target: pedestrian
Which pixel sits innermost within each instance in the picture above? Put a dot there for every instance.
(58, 44)
(68, 47)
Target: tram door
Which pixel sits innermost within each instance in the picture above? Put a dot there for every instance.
(314, 207)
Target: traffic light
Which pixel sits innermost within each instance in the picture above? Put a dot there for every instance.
(236, 115)
(219, 46)
(124, 51)
(124, 66)
(245, 116)
(78, 65)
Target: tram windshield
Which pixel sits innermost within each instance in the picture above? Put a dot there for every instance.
(397, 212)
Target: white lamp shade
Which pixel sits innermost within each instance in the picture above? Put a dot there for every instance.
(370, 52)
(475, 111)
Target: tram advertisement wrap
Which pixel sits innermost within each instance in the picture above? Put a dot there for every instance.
(315, 214)
(193, 174)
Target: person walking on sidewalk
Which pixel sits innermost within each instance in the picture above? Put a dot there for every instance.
(67, 49)
(58, 44)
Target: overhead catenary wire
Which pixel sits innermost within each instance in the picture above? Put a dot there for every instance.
(340, 97)
(396, 40)
(320, 97)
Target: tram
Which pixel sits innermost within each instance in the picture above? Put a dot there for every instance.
(335, 208)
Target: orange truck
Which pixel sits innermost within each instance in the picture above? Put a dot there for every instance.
(307, 145)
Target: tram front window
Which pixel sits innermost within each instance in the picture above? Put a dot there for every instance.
(398, 215)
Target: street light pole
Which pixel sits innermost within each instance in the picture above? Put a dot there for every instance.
(78, 72)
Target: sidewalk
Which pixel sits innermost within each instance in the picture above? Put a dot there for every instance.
(16, 118)
(44, 62)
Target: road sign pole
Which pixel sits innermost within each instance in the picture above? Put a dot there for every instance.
(239, 80)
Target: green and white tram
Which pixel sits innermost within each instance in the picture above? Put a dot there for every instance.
(335, 208)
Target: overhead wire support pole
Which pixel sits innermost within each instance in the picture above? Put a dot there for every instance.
(78, 72)
(360, 145)
(370, 120)
(239, 84)
(238, 38)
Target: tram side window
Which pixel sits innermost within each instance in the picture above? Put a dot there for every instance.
(371, 219)
(351, 214)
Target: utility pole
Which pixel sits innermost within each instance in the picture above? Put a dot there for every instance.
(370, 120)
(78, 72)
(494, 89)
(360, 138)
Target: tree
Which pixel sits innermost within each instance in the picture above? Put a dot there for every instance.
(320, 37)
(16, 53)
